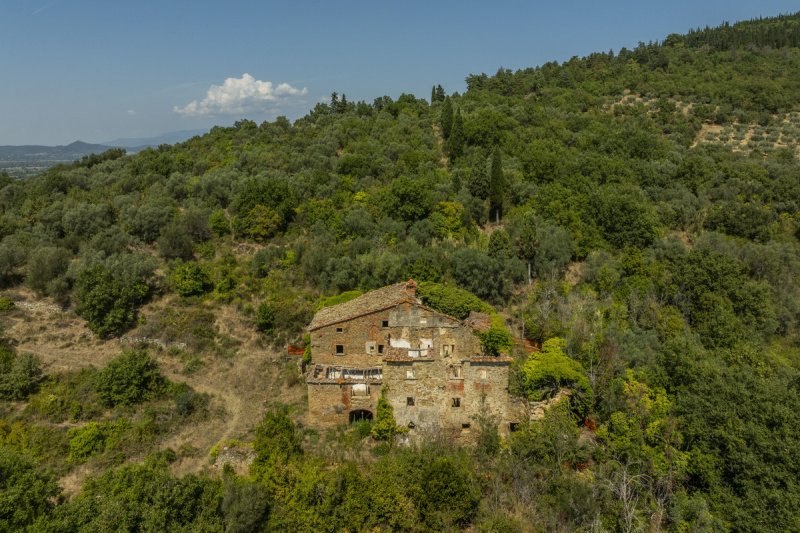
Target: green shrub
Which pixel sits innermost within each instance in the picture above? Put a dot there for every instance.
(7, 304)
(339, 298)
(67, 396)
(86, 441)
(26, 493)
(545, 372)
(129, 379)
(385, 427)
(107, 298)
(450, 300)
(497, 339)
(265, 318)
(19, 374)
(187, 401)
(191, 279)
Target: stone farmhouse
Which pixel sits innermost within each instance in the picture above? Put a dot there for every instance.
(430, 364)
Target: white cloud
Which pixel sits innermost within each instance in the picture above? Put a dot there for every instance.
(131, 112)
(239, 96)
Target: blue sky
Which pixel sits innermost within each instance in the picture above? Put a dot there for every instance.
(97, 70)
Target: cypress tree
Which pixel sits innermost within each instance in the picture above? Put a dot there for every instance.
(455, 143)
(447, 118)
(497, 186)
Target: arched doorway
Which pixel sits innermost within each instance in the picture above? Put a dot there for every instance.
(360, 415)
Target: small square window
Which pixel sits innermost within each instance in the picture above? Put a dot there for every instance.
(339, 330)
(455, 371)
(410, 373)
(340, 349)
(465, 425)
(384, 323)
(410, 401)
(513, 426)
(380, 348)
(483, 374)
(456, 402)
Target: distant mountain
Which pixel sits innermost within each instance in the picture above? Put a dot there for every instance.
(26, 160)
(67, 152)
(138, 143)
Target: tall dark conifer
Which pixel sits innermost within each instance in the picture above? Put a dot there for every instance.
(455, 144)
(447, 118)
(497, 186)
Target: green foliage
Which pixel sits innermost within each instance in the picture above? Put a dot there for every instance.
(259, 224)
(184, 323)
(219, 223)
(497, 186)
(457, 138)
(175, 243)
(7, 304)
(655, 243)
(108, 298)
(450, 300)
(245, 505)
(191, 279)
(85, 441)
(446, 119)
(142, 497)
(26, 492)
(67, 396)
(497, 339)
(276, 442)
(129, 379)
(20, 374)
(265, 317)
(624, 216)
(552, 441)
(645, 432)
(338, 298)
(385, 427)
(546, 372)
(46, 268)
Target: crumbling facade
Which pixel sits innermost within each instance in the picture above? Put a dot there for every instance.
(429, 363)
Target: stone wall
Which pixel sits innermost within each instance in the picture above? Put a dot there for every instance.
(447, 396)
(330, 404)
(431, 367)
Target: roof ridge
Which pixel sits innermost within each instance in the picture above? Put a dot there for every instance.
(369, 302)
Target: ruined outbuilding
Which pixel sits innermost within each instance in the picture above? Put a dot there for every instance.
(430, 364)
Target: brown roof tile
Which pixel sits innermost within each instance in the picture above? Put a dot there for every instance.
(367, 303)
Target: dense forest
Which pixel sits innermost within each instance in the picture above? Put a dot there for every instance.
(636, 214)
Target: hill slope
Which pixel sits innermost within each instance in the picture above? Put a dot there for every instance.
(639, 210)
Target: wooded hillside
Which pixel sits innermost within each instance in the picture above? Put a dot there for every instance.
(652, 195)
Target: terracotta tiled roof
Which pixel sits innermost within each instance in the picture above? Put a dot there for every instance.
(370, 302)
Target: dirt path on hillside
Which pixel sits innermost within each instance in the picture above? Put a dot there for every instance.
(241, 384)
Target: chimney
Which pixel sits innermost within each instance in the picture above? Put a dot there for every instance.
(411, 288)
